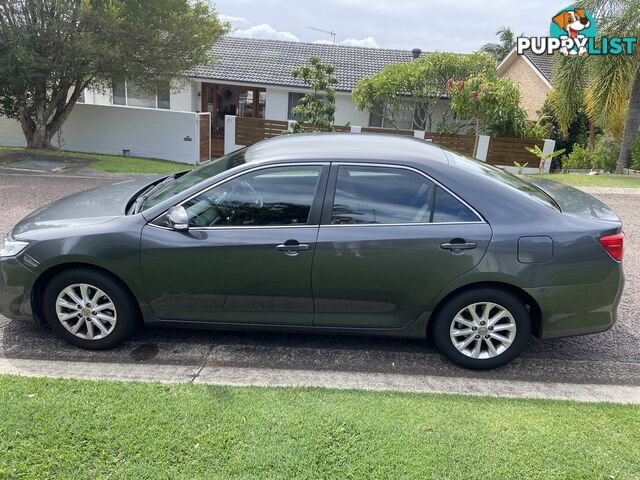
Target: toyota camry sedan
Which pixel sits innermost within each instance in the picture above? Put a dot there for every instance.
(330, 233)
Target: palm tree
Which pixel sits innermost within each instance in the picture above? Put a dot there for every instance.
(609, 84)
(501, 49)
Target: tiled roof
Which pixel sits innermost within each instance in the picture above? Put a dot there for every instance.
(544, 64)
(270, 62)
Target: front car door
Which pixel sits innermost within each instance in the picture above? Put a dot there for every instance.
(390, 240)
(247, 255)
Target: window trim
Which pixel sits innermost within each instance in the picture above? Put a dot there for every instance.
(314, 213)
(327, 210)
(126, 98)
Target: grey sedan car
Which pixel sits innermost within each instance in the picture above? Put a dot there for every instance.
(335, 233)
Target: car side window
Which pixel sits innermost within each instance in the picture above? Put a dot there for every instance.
(268, 197)
(449, 209)
(384, 195)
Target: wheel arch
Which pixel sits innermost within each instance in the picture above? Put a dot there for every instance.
(39, 285)
(531, 304)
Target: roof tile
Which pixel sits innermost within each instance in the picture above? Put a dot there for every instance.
(270, 62)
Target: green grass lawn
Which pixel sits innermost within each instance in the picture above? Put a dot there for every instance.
(119, 164)
(606, 180)
(109, 163)
(81, 429)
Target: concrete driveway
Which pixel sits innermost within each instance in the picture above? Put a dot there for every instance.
(611, 358)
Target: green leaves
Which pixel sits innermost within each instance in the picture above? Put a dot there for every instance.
(500, 50)
(417, 86)
(493, 102)
(316, 110)
(54, 49)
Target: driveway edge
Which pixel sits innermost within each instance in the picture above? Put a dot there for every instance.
(244, 377)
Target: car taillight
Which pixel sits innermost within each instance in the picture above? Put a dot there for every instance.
(613, 244)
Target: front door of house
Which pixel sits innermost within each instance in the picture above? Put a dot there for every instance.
(223, 100)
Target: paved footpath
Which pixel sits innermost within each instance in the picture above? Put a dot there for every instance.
(603, 367)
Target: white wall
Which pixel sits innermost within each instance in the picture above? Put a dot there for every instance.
(11, 134)
(346, 112)
(146, 132)
(181, 96)
(277, 104)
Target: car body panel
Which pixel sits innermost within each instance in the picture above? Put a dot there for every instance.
(82, 209)
(577, 290)
(233, 275)
(383, 276)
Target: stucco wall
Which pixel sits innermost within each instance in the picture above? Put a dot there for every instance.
(146, 132)
(277, 104)
(11, 134)
(533, 89)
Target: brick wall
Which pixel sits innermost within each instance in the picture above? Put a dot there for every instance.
(533, 89)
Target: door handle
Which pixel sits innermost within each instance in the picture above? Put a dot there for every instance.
(292, 247)
(459, 245)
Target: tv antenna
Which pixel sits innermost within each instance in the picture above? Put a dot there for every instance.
(328, 32)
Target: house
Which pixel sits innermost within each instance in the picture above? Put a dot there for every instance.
(533, 73)
(248, 78)
(252, 78)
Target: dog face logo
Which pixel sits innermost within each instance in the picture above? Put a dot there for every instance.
(573, 21)
(574, 26)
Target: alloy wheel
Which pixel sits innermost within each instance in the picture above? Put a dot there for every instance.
(86, 311)
(483, 330)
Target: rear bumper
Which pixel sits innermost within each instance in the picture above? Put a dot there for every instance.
(579, 309)
(16, 283)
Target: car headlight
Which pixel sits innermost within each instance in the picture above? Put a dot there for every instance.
(11, 248)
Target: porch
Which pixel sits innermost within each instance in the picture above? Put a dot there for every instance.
(221, 100)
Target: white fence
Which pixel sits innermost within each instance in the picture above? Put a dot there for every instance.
(111, 129)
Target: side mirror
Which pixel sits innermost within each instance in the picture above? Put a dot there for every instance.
(178, 219)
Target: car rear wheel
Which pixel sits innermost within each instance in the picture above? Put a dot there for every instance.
(89, 309)
(482, 328)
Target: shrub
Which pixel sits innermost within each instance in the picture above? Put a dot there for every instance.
(606, 154)
(635, 153)
(579, 158)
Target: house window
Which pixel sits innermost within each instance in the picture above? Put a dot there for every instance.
(133, 95)
(403, 118)
(294, 98)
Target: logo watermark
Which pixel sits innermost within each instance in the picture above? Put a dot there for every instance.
(573, 31)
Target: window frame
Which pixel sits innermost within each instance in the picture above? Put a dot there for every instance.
(291, 105)
(126, 98)
(327, 209)
(314, 213)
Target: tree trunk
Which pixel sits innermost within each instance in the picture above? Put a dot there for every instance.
(37, 136)
(591, 144)
(631, 125)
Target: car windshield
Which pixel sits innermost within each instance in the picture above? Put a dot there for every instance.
(188, 180)
(504, 177)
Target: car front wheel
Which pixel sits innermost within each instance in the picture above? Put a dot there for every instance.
(89, 309)
(482, 328)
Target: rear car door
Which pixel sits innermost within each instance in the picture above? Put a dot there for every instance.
(247, 255)
(390, 239)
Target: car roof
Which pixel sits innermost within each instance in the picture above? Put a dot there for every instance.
(344, 146)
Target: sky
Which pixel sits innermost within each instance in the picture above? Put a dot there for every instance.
(461, 26)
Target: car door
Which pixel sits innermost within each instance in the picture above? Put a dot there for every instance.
(390, 239)
(247, 255)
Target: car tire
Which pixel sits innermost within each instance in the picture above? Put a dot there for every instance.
(482, 328)
(107, 316)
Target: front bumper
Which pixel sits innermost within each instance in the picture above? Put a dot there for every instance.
(579, 309)
(16, 285)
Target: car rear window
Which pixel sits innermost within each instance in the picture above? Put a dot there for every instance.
(502, 176)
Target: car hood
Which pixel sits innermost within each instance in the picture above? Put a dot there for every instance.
(98, 205)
